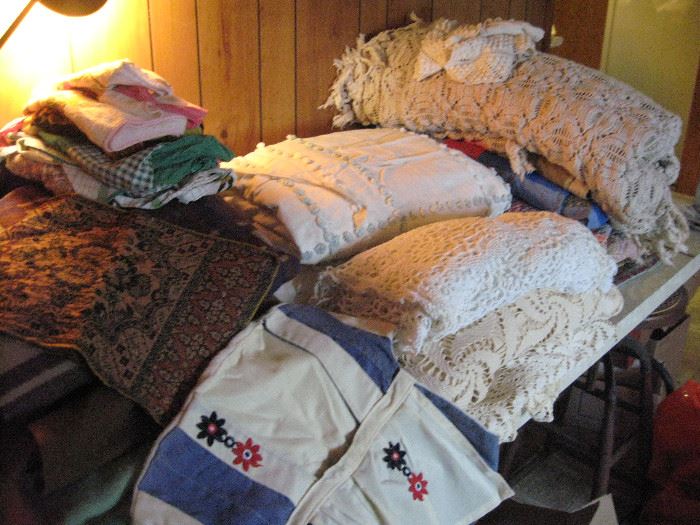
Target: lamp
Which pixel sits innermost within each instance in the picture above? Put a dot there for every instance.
(16, 13)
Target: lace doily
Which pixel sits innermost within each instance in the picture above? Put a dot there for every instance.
(528, 386)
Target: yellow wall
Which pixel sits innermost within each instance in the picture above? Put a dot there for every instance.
(654, 45)
(47, 45)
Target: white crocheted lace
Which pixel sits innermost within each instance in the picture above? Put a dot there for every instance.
(437, 279)
(507, 366)
(619, 142)
(486, 52)
(528, 386)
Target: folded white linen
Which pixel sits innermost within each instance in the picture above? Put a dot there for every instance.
(439, 278)
(340, 193)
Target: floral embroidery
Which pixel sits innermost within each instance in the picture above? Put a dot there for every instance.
(247, 454)
(418, 486)
(394, 456)
(211, 428)
(395, 460)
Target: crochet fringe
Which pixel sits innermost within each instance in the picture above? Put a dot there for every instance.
(374, 87)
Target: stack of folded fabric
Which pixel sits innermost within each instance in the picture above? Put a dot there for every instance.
(551, 188)
(492, 313)
(548, 188)
(486, 82)
(116, 133)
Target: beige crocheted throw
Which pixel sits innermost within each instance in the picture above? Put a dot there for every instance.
(616, 140)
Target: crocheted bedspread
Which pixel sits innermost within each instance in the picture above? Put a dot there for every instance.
(512, 364)
(437, 279)
(491, 313)
(616, 140)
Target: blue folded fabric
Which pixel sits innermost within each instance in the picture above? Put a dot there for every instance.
(597, 218)
(542, 193)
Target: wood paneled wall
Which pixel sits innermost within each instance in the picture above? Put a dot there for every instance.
(582, 24)
(261, 67)
(266, 66)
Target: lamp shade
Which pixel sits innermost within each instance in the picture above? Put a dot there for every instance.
(74, 7)
(15, 10)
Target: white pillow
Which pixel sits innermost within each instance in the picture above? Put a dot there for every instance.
(340, 193)
(439, 278)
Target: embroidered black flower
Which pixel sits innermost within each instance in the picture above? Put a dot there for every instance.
(211, 428)
(394, 456)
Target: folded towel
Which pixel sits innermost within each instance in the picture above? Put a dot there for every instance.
(108, 126)
(108, 75)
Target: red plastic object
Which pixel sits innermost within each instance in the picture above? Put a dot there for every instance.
(675, 463)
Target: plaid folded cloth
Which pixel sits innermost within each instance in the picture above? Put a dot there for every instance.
(149, 170)
(191, 188)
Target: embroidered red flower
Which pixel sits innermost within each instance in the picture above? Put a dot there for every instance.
(418, 486)
(247, 454)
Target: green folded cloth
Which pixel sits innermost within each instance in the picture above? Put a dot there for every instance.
(173, 161)
(147, 171)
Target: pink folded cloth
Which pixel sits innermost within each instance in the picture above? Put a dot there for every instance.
(170, 103)
(108, 126)
(118, 105)
(8, 130)
(125, 77)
